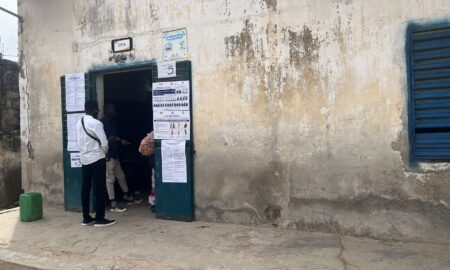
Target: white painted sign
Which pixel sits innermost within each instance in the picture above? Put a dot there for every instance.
(173, 155)
(171, 110)
(167, 69)
(72, 137)
(175, 44)
(75, 92)
(122, 45)
(75, 160)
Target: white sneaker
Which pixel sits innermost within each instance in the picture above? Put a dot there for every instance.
(118, 209)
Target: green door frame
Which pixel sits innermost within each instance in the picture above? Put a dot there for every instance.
(174, 201)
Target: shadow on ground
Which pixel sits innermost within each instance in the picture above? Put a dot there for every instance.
(139, 241)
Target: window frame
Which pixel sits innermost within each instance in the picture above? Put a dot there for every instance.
(409, 56)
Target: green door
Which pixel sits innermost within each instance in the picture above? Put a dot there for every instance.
(175, 201)
(71, 111)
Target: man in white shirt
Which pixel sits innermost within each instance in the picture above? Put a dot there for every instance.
(93, 148)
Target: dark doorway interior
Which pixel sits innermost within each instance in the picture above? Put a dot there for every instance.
(130, 92)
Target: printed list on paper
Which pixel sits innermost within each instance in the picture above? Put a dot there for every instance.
(75, 92)
(173, 161)
(75, 160)
(72, 139)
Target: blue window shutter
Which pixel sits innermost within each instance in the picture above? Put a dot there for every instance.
(429, 86)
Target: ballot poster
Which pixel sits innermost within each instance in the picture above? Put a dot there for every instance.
(171, 110)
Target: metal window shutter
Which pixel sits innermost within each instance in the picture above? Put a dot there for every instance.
(430, 92)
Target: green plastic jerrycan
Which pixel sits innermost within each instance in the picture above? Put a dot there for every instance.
(30, 206)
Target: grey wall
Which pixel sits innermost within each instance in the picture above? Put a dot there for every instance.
(10, 171)
(300, 106)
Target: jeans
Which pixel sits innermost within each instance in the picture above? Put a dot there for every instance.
(94, 174)
(113, 171)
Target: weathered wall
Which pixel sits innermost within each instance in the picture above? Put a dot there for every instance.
(10, 172)
(299, 106)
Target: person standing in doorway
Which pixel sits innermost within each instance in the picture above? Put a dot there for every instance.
(113, 168)
(93, 147)
(147, 149)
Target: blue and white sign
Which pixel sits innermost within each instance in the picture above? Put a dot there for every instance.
(175, 44)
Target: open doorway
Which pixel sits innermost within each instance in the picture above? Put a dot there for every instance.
(130, 94)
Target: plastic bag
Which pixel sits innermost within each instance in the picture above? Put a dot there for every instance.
(147, 146)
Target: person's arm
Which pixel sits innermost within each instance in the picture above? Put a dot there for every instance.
(100, 133)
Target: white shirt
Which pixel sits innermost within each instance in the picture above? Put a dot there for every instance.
(90, 150)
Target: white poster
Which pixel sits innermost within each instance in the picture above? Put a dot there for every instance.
(75, 92)
(171, 110)
(167, 69)
(72, 137)
(75, 160)
(175, 44)
(174, 168)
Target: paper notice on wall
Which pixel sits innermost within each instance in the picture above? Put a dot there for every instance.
(174, 168)
(75, 92)
(171, 110)
(75, 160)
(167, 69)
(175, 44)
(72, 137)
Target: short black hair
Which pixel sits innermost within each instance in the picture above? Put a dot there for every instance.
(108, 104)
(90, 106)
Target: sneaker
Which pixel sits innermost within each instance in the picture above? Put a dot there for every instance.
(135, 201)
(104, 222)
(118, 209)
(88, 221)
(131, 200)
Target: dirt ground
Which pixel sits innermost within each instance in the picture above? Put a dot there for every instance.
(139, 241)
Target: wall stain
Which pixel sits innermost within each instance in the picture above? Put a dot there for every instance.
(272, 213)
(97, 18)
(30, 150)
(270, 4)
(241, 44)
(303, 47)
(153, 11)
(437, 214)
(218, 214)
(128, 17)
(259, 59)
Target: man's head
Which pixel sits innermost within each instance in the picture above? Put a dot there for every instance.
(91, 108)
(110, 110)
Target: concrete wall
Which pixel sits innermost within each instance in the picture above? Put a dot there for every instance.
(10, 172)
(300, 114)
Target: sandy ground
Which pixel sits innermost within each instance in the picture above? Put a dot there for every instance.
(139, 241)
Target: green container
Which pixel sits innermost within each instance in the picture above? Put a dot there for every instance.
(30, 206)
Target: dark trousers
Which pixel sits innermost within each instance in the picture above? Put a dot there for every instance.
(94, 175)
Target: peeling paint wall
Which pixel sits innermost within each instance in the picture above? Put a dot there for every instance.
(10, 178)
(299, 106)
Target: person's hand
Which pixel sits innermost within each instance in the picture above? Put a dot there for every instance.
(125, 142)
(112, 138)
